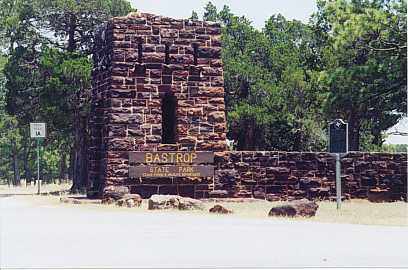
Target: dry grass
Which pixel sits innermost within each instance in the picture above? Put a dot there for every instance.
(352, 212)
(32, 189)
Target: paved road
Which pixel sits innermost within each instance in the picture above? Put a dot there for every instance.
(53, 236)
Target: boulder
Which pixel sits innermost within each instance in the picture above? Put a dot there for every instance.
(319, 192)
(273, 197)
(174, 202)
(130, 200)
(108, 200)
(219, 209)
(379, 195)
(92, 194)
(115, 192)
(218, 194)
(70, 200)
(259, 193)
(298, 208)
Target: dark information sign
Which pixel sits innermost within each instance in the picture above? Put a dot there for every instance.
(171, 171)
(171, 157)
(338, 141)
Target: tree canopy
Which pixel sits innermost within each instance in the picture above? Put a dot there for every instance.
(283, 82)
(46, 75)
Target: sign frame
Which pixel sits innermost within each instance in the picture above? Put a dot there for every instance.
(347, 135)
(38, 130)
(171, 157)
(170, 164)
(165, 171)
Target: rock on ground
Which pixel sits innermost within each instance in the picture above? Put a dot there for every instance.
(130, 200)
(299, 208)
(379, 195)
(79, 200)
(115, 192)
(219, 209)
(69, 200)
(174, 202)
(108, 200)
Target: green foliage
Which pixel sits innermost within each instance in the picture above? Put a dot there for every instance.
(17, 24)
(73, 23)
(67, 75)
(3, 61)
(194, 16)
(210, 12)
(286, 82)
(46, 75)
(366, 63)
(272, 97)
(395, 148)
(283, 83)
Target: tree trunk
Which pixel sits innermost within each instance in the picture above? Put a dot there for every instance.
(71, 33)
(16, 169)
(62, 168)
(354, 133)
(246, 136)
(27, 169)
(80, 173)
(249, 134)
(71, 164)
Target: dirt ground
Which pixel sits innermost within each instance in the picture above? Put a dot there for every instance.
(352, 212)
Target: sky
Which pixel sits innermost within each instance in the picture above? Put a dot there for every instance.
(257, 11)
(402, 126)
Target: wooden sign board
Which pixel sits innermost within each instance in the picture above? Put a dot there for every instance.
(171, 171)
(171, 157)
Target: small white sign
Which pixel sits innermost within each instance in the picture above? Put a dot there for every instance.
(37, 130)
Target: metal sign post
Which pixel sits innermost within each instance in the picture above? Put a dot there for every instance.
(37, 131)
(338, 144)
(38, 167)
(338, 181)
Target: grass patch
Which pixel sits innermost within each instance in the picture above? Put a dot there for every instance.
(352, 212)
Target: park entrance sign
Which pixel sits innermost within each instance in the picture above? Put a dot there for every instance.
(157, 124)
(171, 164)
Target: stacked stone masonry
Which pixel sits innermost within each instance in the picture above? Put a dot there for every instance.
(287, 176)
(139, 59)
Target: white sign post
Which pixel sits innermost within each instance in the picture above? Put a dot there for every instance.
(37, 130)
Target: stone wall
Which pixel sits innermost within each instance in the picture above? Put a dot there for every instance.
(142, 58)
(139, 60)
(287, 175)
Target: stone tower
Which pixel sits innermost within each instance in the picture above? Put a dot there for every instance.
(157, 85)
